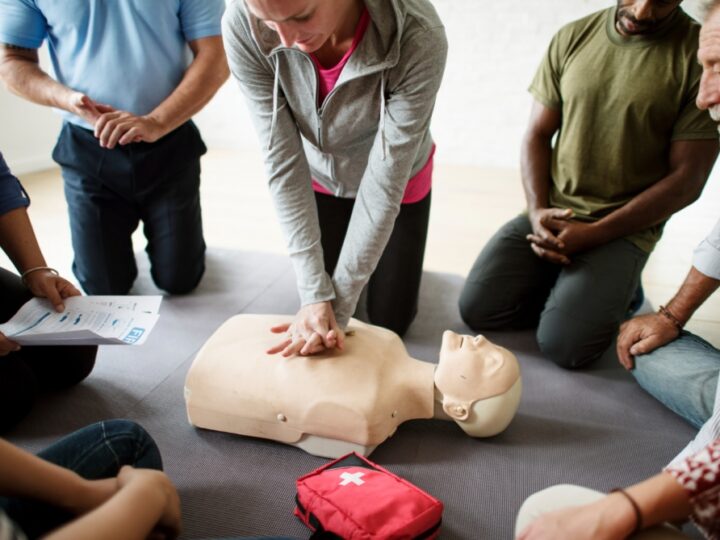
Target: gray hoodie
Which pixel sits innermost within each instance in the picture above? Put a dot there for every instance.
(369, 137)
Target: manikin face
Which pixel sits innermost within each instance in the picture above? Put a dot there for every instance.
(709, 57)
(305, 24)
(642, 17)
(471, 369)
(468, 351)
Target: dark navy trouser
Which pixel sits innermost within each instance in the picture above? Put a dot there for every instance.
(32, 370)
(110, 191)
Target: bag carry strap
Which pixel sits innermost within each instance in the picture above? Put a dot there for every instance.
(320, 533)
(324, 535)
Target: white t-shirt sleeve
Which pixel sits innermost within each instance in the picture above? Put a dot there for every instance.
(706, 259)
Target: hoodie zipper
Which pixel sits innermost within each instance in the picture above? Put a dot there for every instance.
(319, 109)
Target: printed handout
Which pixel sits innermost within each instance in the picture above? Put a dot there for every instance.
(87, 320)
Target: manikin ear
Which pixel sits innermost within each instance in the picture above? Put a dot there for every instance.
(460, 410)
(488, 417)
(456, 410)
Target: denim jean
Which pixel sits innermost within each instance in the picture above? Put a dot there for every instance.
(683, 375)
(94, 452)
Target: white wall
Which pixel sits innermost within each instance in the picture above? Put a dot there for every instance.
(495, 47)
(483, 105)
(27, 131)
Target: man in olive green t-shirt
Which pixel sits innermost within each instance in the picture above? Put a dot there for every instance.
(618, 88)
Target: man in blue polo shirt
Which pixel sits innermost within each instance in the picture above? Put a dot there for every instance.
(128, 76)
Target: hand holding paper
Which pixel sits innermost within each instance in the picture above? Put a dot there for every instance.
(87, 320)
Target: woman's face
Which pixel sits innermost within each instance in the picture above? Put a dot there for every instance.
(305, 24)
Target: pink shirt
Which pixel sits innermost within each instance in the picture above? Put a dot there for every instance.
(419, 185)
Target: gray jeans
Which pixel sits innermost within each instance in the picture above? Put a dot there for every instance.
(577, 308)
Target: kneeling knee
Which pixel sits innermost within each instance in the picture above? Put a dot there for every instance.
(131, 444)
(564, 350)
(648, 372)
(472, 313)
(178, 282)
(82, 367)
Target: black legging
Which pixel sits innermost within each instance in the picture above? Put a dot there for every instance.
(392, 292)
(31, 370)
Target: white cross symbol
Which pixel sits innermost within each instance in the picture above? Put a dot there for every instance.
(348, 478)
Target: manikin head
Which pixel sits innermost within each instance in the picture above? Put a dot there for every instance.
(709, 57)
(305, 24)
(478, 384)
(642, 17)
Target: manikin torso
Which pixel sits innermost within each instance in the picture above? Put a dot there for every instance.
(350, 400)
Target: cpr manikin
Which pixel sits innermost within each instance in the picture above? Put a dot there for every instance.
(351, 400)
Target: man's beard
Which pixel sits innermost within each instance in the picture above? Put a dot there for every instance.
(641, 27)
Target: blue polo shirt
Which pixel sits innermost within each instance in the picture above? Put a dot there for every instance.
(130, 54)
(12, 194)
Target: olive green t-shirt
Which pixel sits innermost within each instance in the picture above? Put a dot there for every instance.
(623, 101)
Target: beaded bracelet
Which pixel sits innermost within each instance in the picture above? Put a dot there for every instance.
(636, 509)
(29, 271)
(665, 312)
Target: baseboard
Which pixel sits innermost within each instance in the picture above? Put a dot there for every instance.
(32, 164)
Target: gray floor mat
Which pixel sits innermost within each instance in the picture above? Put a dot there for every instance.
(594, 427)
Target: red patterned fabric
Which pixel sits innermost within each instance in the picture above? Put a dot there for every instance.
(699, 475)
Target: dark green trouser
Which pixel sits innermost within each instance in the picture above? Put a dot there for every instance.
(577, 308)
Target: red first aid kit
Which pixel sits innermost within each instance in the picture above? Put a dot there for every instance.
(355, 499)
